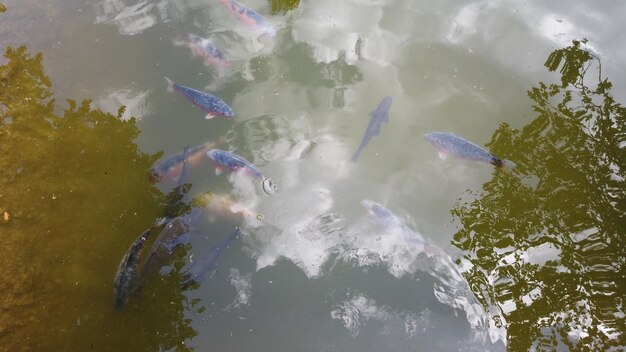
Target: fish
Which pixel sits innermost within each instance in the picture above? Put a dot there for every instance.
(209, 260)
(449, 143)
(224, 206)
(172, 167)
(249, 17)
(232, 162)
(171, 240)
(379, 115)
(129, 270)
(209, 103)
(235, 163)
(390, 222)
(203, 48)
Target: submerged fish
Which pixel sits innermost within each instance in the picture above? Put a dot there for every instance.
(224, 206)
(448, 143)
(172, 166)
(204, 48)
(128, 272)
(249, 17)
(379, 115)
(389, 221)
(170, 241)
(209, 260)
(209, 103)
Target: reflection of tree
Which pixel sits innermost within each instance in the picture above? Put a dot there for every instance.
(74, 193)
(547, 243)
(283, 5)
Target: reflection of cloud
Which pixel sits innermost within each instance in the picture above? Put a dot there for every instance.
(360, 309)
(134, 18)
(136, 103)
(243, 286)
(345, 29)
(129, 19)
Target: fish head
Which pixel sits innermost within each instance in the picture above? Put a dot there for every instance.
(386, 103)
(214, 154)
(434, 138)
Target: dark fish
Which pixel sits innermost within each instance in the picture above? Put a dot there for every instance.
(448, 143)
(173, 237)
(379, 115)
(129, 275)
(170, 241)
(172, 167)
(204, 48)
(249, 17)
(128, 272)
(209, 103)
(209, 260)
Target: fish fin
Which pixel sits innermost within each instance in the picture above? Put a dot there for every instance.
(170, 84)
(443, 155)
(218, 170)
(185, 167)
(209, 116)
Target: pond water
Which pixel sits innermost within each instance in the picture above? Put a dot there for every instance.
(470, 257)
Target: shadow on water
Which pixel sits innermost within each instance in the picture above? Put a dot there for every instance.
(74, 195)
(546, 243)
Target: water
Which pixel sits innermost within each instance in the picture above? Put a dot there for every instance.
(527, 260)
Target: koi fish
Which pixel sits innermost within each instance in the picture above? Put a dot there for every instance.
(379, 115)
(209, 260)
(172, 166)
(223, 205)
(249, 17)
(204, 48)
(448, 143)
(209, 103)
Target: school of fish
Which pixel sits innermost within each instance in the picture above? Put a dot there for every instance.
(177, 226)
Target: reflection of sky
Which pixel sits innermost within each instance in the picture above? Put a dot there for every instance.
(136, 103)
(357, 311)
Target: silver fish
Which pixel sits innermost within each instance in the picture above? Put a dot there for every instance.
(379, 115)
(448, 143)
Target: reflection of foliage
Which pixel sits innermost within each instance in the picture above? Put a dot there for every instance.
(283, 5)
(547, 243)
(2, 8)
(76, 193)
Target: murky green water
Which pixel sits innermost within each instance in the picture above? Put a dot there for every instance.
(528, 259)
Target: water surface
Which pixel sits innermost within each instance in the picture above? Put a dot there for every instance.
(531, 259)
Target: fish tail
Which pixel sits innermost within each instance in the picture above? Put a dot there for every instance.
(170, 84)
(356, 155)
(508, 164)
(503, 163)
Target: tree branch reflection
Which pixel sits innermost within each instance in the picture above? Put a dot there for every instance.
(74, 193)
(547, 243)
